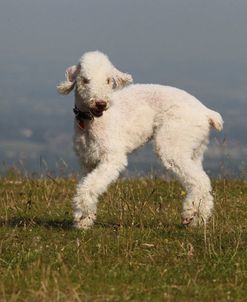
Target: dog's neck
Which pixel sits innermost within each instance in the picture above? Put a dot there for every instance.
(82, 116)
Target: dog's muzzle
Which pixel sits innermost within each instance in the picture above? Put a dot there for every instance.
(99, 107)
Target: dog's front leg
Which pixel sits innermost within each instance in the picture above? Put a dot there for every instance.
(94, 184)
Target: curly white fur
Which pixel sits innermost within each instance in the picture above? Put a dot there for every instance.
(176, 121)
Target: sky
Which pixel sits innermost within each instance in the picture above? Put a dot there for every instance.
(199, 46)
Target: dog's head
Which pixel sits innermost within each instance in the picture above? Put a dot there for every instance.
(94, 78)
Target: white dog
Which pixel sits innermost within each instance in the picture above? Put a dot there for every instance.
(177, 122)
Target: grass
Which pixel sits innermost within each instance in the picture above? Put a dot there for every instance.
(137, 251)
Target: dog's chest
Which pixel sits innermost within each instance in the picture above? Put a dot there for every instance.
(88, 147)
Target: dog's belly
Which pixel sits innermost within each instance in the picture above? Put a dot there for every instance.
(135, 131)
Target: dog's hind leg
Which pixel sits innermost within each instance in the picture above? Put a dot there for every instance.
(177, 153)
(94, 184)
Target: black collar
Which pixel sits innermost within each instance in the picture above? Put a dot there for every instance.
(82, 115)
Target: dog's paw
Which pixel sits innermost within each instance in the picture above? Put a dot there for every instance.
(85, 222)
(190, 217)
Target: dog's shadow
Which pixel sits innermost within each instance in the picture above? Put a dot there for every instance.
(27, 222)
(67, 224)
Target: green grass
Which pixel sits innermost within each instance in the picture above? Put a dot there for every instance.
(137, 251)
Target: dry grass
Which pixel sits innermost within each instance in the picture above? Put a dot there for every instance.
(137, 251)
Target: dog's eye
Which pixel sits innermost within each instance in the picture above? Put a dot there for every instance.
(85, 80)
(112, 81)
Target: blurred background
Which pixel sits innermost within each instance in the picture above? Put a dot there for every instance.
(199, 46)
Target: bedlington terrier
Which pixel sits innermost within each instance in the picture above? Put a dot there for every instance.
(112, 121)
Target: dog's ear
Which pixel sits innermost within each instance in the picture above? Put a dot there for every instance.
(70, 75)
(122, 79)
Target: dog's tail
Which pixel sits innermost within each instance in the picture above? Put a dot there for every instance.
(215, 120)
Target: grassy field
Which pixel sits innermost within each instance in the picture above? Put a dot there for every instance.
(137, 251)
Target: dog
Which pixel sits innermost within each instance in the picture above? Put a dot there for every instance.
(114, 117)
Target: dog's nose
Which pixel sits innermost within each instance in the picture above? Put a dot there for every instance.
(101, 105)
